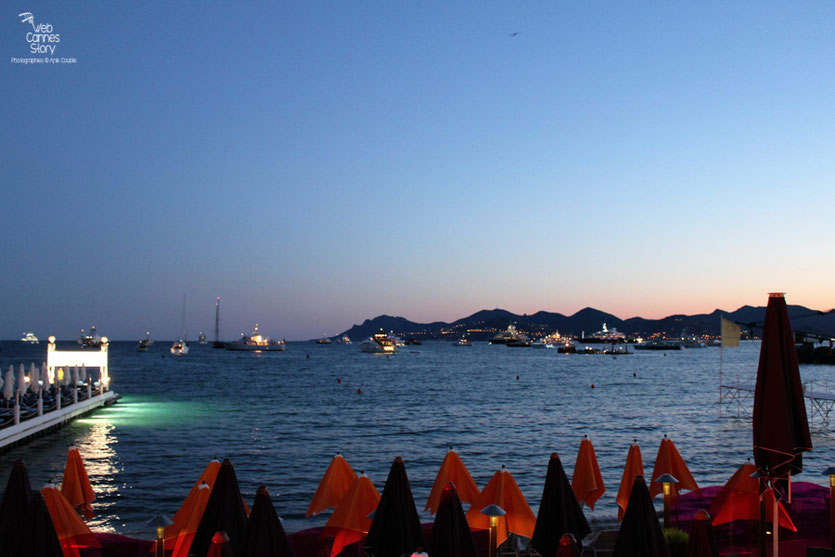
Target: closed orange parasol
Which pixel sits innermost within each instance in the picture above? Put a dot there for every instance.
(452, 471)
(349, 521)
(634, 468)
(502, 490)
(178, 536)
(668, 461)
(739, 500)
(338, 479)
(587, 483)
(76, 486)
(72, 533)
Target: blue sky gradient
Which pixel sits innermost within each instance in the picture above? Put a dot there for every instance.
(315, 164)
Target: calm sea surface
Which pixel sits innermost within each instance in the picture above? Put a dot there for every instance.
(280, 418)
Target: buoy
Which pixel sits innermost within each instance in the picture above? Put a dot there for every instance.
(592, 385)
(338, 380)
(308, 356)
(359, 391)
(517, 378)
(634, 374)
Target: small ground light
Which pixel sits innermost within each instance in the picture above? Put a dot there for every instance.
(159, 522)
(667, 481)
(494, 512)
(831, 473)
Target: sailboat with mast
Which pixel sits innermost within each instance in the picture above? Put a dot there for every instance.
(217, 343)
(180, 347)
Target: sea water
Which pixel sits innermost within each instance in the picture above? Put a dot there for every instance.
(281, 417)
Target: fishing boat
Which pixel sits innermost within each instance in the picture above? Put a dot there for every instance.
(256, 342)
(463, 341)
(201, 338)
(90, 339)
(217, 343)
(344, 340)
(29, 338)
(380, 343)
(323, 340)
(145, 343)
(180, 346)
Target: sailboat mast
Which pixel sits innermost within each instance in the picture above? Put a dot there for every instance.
(217, 321)
(183, 323)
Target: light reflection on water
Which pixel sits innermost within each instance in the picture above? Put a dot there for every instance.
(281, 417)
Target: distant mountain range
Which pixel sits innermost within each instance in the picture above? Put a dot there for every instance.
(485, 324)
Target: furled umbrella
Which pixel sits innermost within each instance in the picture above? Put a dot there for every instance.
(559, 511)
(224, 511)
(338, 479)
(669, 461)
(8, 386)
(781, 429)
(21, 381)
(72, 533)
(739, 499)
(349, 521)
(34, 379)
(76, 486)
(701, 542)
(451, 535)
(16, 500)
(640, 533)
(587, 482)
(395, 528)
(452, 470)
(502, 490)
(41, 539)
(634, 468)
(264, 533)
(180, 534)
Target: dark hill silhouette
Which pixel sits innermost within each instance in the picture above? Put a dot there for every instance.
(485, 324)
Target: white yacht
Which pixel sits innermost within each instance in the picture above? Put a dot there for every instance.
(256, 342)
(179, 348)
(29, 338)
(380, 343)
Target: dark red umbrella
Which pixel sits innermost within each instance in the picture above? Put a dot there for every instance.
(701, 542)
(559, 511)
(37, 536)
(451, 535)
(781, 430)
(16, 501)
(396, 528)
(640, 533)
(224, 512)
(264, 533)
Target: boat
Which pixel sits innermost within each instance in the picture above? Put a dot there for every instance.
(201, 338)
(412, 341)
(29, 338)
(519, 343)
(463, 341)
(256, 342)
(344, 340)
(604, 336)
(380, 343)
(511, 335)
(567, 346)
(398, 342)
(541, 343)
(323, 340)
(180, 346)
(145, 343)
(217, 343)
(658, 345)
(90, 339)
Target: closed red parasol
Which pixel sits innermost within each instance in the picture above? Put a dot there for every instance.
(76, 486)
(502, 490)
(634, 468)
(178, 536)
(587, 482)
(338, 479)
(739, 499)
(452, 470)
(349, 521)
(72, 533)
(669, 461)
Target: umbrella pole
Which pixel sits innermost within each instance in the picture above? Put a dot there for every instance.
(775, 528)
(763, 541)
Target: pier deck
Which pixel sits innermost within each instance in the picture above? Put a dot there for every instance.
(819, 405)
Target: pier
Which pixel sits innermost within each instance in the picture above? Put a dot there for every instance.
(61, 392)
(819, 405)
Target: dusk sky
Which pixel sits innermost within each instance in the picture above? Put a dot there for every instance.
(315, 164)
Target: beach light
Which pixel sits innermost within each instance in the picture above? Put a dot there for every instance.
(666, 481)
(494, 512)
(831, 473)
(160, 521)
